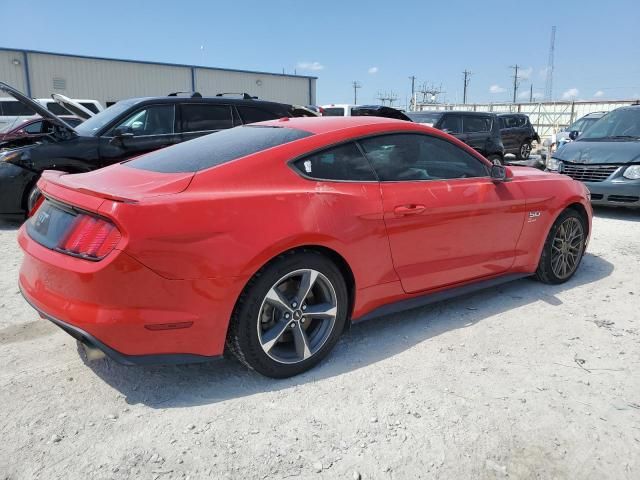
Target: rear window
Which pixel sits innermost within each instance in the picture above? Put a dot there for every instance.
(333, 112)
(57, 109)
(424, 117)
(216, 149)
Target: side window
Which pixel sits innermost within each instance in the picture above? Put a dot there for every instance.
(452, 124)
(521, 121)
(90, 106)
(407, 157)
(474, 124)
(34, 128)
(344, 162)
(253, 114)
(153, 120)
(200, 117)
(14, 108)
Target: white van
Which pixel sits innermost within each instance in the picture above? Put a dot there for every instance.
(12, 111)
(337, 109)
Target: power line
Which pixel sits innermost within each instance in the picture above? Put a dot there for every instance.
(467, 78)
(356, 85)
(516, 81)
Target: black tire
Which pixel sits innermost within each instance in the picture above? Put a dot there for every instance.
(524, 150)
(244, 339)
(496, 159)
(547, 271)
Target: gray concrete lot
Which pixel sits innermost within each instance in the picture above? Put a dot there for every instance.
(525, 381)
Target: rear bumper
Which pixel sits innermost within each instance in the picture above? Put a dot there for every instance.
(125, 309)
(621, 193)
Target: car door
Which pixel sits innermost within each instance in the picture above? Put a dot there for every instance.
(476, 130)
(446, 220)
(146, 129)
(197, 119)
(507, 132)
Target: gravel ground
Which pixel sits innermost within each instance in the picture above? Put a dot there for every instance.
(526, 381)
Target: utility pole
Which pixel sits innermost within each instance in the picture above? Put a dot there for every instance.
(413, 90)
(356, 85)
(548, 87)
(515, 81)
(467, 78)
(531, 93)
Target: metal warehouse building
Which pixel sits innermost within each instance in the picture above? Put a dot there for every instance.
(39, 74)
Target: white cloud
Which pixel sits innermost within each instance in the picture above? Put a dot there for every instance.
(599, 93)
(496, 89)
(525, 74)
(315, 66)
(373, 70)
(571, 93)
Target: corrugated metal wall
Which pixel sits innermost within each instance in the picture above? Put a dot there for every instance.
(109, 80)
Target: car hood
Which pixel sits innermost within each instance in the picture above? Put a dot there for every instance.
(582, 151)
(36, 107)
(72, 106)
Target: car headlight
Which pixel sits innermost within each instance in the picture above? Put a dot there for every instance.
(8, 156)
(554, 165)
(632, 172)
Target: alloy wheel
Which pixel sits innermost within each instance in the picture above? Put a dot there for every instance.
(525, 150)
(566, 248)
(297, 316)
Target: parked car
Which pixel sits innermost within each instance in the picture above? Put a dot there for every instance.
(267, 240)
(517, 134)
(345, 110)
(478, 130)
(606, 157)
(579, 126)
(127, 129)
(13, 111)
(32, 128)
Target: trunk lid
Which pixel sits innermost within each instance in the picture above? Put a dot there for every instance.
(117, 182)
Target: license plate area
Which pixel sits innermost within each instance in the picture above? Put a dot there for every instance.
(50, 224)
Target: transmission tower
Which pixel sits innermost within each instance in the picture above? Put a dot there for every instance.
(429, 93)
(548, 87)
(385, 97)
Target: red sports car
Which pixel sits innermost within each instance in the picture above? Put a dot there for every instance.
(267, 240)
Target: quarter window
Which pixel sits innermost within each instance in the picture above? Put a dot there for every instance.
(203, 118)
(344, 162)
(153, 120)
(253, 114)
(410, 157)
(34, 128)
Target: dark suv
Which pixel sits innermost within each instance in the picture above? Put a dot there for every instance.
(124, 130)
(517, 134)
(480, 130)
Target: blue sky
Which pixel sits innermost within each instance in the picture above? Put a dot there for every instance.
(379, 43)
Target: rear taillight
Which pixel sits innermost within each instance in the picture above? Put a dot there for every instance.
(90, 237)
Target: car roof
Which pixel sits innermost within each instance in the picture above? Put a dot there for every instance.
(457, 112)
(318, 125)
(178, 99)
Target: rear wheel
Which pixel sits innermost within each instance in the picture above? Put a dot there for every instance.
(290, 315)
(525, 150)
(563, 249)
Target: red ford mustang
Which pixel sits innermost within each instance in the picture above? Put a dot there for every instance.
(266, 240)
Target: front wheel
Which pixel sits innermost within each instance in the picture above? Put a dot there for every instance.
(563, 249)
(290, 315)
(524, 151)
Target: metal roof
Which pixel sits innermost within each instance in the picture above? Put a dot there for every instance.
(184, 65)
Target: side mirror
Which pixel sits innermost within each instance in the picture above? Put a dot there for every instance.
(573, 134)
(120, 134)
(498, 173)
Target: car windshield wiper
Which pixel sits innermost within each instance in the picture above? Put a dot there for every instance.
(624, 137)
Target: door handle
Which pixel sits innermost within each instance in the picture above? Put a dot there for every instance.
(409, 210)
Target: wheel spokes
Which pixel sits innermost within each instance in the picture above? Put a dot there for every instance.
(322, 311)
(271, 336)
(307, 281)
(301, 342)
(275, 298)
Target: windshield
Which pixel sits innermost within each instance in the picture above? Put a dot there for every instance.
(89, 127)
(424, 117)
(621, 123)
(581, 125)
